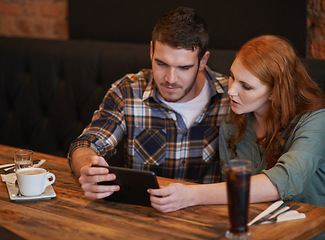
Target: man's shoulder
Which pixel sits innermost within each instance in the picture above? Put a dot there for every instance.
(213, 73)
(141, 78)
(216, 76)
(142, 75)
(219, 81)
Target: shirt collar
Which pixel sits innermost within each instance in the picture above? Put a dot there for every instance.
(216, 81)
(150, 90)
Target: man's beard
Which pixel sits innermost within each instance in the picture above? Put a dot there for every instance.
(187, 90)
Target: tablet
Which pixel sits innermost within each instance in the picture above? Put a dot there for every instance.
(133, 185)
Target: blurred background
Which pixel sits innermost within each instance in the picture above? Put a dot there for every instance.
(231, 22)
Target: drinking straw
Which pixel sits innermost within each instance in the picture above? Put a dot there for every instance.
(225, 149)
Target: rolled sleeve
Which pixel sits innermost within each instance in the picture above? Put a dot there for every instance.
(304, 158)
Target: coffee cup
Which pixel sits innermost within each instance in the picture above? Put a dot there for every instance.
(33, 181)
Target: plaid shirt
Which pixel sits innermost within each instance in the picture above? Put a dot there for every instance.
(157, 138)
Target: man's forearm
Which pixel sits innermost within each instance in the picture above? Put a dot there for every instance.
(81, 157)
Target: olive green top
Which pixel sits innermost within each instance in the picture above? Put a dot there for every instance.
(299, 174)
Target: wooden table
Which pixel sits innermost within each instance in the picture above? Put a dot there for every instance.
(71, 216)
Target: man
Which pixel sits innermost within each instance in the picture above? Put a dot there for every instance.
(169, 115)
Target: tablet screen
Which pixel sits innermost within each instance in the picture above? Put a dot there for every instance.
(133, 185)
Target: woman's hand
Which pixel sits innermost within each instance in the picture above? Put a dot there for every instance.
(171, 198)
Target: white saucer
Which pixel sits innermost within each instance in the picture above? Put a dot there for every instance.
(13, 190)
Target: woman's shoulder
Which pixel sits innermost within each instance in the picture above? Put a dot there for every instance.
(314, 116)
(313, 121)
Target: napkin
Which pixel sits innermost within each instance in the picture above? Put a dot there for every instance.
(287, 216)
(11, 177)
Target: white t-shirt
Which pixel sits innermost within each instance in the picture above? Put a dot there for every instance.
(192, 109)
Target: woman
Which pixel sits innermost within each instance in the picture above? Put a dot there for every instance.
(277, 120)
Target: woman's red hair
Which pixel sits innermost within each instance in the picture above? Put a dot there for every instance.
(273, 60)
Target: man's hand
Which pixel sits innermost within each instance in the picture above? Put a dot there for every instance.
(82, 160)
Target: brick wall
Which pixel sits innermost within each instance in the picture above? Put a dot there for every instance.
(316, 29)
(34, 18)
(48, 19)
